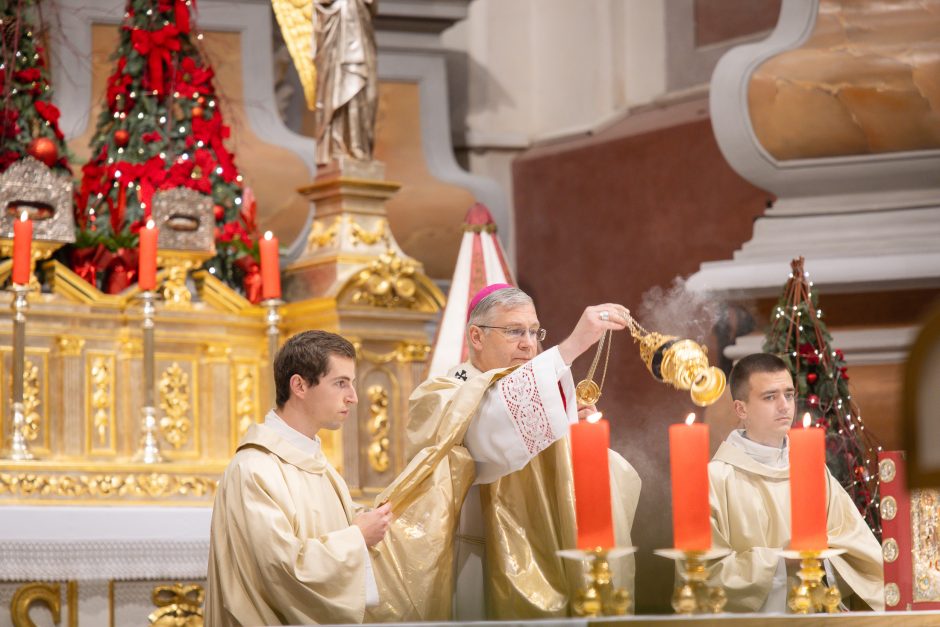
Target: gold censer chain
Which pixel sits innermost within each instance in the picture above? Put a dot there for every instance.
(587, 391)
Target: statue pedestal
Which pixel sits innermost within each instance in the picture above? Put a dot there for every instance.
(354, 279)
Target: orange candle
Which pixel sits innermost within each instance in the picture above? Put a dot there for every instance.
(688, 463)
(147, 261)
(589, 444)
(808, 488)
(270, 267)
(22, 249)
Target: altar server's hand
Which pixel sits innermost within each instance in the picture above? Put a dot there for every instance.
(374, 523)
(591, 326)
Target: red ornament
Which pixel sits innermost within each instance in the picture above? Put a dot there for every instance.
(198, 111)
(45, 150)
(219, 212)
(122, 138)
(813, 400)
(201, 100)
(811, 377)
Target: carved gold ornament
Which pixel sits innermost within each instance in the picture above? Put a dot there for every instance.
(179, 606)
(321, 236)
(389, 282)
(34, 594)
(405, 352)
(925, 544)
(105, 486)
(174, 400)
(245, 406)
(70, 345)
(378, 428)
(376, 235)
(31, 401)
(101, 395)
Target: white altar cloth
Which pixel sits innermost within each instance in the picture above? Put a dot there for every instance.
(102, 543)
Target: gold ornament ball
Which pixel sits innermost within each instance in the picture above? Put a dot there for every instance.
(44, 149)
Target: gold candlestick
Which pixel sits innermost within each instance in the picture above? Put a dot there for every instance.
(811, 595)
(273, 319)
(600, 597)
(149, 451)
(19, 447)
(695, 595)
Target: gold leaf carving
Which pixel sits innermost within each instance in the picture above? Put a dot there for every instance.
(321, 236)
(101, 398)
(245, 405)
(179, 606)
(70, 345)
(378, 428)
(388, 282)
(405, 352)
(105, 486)
(31, 401)
(174, 400)
(368, 238)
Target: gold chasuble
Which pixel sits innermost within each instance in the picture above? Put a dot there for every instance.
(527, 514)
(750, 514)
(283, 550)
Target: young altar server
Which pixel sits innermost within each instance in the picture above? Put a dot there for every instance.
(750, 502)
(288, 546)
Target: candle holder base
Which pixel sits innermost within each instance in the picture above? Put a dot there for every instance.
(811, 596)
(19, 449)
(600, 597)
(149, 452)
(695, 596)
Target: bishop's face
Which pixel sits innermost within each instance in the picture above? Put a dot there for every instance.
(768, 411)
(499, 343)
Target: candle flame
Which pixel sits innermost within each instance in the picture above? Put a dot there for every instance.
(151, 224)
(806, 420)
(690, 418)
(24, 216)
(268, 235)
(594, 417)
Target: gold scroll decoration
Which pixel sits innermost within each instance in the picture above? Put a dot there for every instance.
(179, 606)
(378, 428)
(321, 236)
(174, 400)
(31, 401)
(102, 398)
(368, 238)
(246, 402)
(33, 594)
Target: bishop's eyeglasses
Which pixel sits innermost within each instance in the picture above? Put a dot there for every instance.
(517, 333)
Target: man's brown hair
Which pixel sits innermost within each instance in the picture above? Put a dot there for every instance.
(740, 378)
(307, 354)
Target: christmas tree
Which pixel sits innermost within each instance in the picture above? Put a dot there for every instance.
(161, 128)
(799, 336)
(29, 122)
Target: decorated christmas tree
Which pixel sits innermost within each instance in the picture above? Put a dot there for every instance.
(29, 122)
(161, 128)
(799, 336)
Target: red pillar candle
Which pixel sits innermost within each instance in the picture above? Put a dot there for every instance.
(270, 267)
(808, 488)
(22, 249)
(589, 444)
(147, 261)
(688, 463)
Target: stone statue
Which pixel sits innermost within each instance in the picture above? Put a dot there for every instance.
(346, 93)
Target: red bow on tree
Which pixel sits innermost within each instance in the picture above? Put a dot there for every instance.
(156, 46)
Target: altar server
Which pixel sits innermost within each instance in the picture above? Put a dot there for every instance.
(288, 546)
(750, 502)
